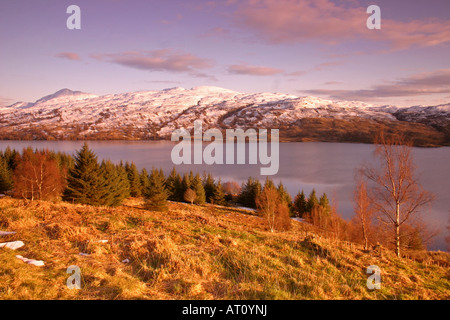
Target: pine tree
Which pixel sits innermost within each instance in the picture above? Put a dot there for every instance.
(218, 196)
(285, 197)
(134, 179)
(186, 183)
(10, 157)
(156, 195)
(124, 183)
(174, 186)
(300, 204)
(323, 201)
(197, 186)
(116, 183)
(6, 182)
(312, 201)
(85, 182)
(249, 191)
(269, 183)
(145, 182)
(209, 186)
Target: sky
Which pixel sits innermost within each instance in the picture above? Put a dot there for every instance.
(307, 48)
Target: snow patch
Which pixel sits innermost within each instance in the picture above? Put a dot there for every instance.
(14, 245)
(37, 263)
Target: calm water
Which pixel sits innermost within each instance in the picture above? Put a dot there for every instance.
(327, 167)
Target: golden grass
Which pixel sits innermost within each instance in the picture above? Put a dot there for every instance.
(194, 252)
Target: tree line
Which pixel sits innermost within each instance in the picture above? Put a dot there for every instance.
(48, 175)
(386, 199)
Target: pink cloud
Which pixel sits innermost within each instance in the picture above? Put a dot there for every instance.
(332, 83)
(68, 55)
(159, 60)
(318, 67)
(294, 21)
(436, 82)
(246, 69)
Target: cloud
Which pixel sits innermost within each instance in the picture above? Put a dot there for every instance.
(68, 55)
(159, 60)
(246, 69)
(295, 21)
(319, 67)
(162, 81)
(426, 83)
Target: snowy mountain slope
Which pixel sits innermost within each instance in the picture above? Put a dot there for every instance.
(70, 114)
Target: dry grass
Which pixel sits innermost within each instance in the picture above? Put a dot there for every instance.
(194, 252)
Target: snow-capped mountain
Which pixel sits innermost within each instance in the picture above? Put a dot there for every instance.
(70, 114)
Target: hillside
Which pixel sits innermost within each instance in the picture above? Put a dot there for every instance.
(154, 115)
(194, 252)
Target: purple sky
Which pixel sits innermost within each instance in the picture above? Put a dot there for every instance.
(307, 47)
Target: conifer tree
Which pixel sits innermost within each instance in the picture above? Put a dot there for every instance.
(209, 186)
(300, 204)
(145, 182)
(186, 183)
(116, 184)
(269, 183)
(124, 183)
(85, 182)
(312, 201)
(173, 186)
(285, 197)
(197, 186)
(156, 195)
(323, 201)
(218, 196)
(10, 157)
(249, 191)
(134, 179)
(6, 182)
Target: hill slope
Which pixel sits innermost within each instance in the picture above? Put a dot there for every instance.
(193, 252)
(75, 115)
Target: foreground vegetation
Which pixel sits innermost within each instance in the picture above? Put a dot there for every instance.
(195, 252)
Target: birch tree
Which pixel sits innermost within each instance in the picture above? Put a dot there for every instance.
(396, 194)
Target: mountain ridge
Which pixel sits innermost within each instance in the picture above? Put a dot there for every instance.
(154, 115)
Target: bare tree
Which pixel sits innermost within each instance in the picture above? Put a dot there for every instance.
(363, 209)
(232, 187)
(273, 209)
(37, 176)
(190, 195)
(397, 195)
